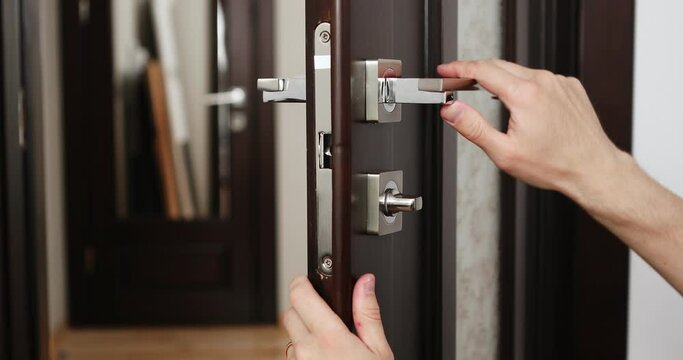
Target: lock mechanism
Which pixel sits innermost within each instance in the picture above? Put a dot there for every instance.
(379, 203)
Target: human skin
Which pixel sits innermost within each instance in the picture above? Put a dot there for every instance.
(554, 141)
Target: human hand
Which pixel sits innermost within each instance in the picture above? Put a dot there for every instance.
(318, 333)
(554, 138)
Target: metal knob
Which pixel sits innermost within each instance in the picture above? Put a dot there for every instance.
(393, 202)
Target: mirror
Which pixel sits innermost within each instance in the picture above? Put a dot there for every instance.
(175, 112)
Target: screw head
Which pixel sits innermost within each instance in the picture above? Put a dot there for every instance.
(326, 264)
(325, 36)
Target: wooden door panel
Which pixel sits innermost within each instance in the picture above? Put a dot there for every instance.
(370, 30)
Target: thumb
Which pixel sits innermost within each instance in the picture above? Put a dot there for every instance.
(472, 125)
(366, 316)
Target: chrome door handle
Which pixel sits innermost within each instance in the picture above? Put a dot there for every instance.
(385, 90)
(236, 97)
(283, 90)
(389, 90)
(421, 91)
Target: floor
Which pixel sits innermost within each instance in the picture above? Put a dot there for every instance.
(247, 342)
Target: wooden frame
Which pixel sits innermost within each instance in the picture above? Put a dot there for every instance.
(93, 117)
(23, 288)
(559, 296)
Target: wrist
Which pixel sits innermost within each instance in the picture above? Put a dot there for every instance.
(595, 185)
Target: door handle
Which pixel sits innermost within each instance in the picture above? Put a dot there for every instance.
(386, 90)
(236, 97)
(283, 90)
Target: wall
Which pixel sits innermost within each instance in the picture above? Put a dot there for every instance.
(480, 36)
(656, 309)
(290, 138)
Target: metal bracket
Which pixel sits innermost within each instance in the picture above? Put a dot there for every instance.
(323, 127)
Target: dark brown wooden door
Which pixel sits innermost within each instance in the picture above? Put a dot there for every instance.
(407, 263)
(146, 267)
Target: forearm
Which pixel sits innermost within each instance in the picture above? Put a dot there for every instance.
(642, 213)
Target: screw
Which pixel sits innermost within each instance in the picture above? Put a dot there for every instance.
(326, 264)
(325, 36)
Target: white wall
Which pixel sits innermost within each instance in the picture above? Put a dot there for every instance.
(290, 138)
(656, 309)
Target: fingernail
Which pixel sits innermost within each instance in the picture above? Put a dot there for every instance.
(440, 67)
(453, 112)
(369, 285)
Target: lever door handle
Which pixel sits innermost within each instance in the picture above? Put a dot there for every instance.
(421, 91)
(283, 90)
(236, 97)
(390, 90)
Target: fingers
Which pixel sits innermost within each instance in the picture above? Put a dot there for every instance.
(296, 329)
(515, 69)
(472, 125)
(492, 77)
(366, 316)
(314, 312)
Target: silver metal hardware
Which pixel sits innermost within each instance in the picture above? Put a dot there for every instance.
(323, 127)
(235, 97)
(324, 150)
(326, 265)
(379, 89)
(394, 202)
(384, 90)
(294, 90)
(283, 90)
(375, 73)
(379, 203)
(325, 37)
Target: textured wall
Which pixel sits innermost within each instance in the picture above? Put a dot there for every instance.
(480, 35)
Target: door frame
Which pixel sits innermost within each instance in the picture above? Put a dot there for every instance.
(438, 259)
(557, 296)
(23, 286)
